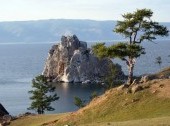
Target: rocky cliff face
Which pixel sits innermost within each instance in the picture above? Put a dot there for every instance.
(3, 111)
(72, 61)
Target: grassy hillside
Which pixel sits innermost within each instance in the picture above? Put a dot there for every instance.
(165, 73)
(36, 120)
(118, 105)
(161, 121)
(150, 105)
(32, 121)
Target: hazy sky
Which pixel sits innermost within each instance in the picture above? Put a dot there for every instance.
(12, 10)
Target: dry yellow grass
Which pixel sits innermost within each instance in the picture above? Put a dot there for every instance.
(36, 120)
(162, 121)
(162, 88)
(116, 108)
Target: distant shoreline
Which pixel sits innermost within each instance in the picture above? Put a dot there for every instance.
(95, 41)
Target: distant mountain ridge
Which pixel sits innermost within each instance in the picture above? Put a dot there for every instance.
(52, 30)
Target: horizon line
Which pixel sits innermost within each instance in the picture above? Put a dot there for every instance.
(7, 21)
(56, 19)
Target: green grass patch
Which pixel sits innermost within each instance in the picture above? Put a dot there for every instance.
(161, 121)
(37, 120)
(124, 107)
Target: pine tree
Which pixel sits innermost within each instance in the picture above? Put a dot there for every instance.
(136, 27)
(42, 95)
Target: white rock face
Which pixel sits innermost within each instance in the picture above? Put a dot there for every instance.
(72, 61)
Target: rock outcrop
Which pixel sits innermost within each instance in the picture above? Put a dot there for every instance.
(3, 111)
(72, 61)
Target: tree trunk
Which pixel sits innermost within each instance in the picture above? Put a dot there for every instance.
(130, 64)
(130, 76)
(38, 111)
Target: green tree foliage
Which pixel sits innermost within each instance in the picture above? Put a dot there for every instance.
(158, 61)
(115, 72)
(114, 77)
(79, 102)
(93, 95)
(42, 95)
(136, 27)
(100, 50)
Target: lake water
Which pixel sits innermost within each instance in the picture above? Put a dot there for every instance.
(19, 63)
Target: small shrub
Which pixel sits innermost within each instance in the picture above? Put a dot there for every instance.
(79, 102)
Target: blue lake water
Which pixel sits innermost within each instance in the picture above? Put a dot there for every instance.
(19, 63)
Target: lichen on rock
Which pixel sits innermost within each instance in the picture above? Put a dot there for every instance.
(72, 61)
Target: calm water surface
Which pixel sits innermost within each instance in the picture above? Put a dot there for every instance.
(19, 63)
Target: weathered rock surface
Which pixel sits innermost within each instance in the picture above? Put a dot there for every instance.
(136, 88)
(5, 118)
(72, 61)
(3, 111)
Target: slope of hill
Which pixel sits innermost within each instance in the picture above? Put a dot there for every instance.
(51, 30)
(118, 106)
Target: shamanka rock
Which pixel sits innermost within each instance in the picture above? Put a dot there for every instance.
(72, 61)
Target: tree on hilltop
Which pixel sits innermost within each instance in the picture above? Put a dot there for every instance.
(158, 61)
(42, 95)
(137, 27)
